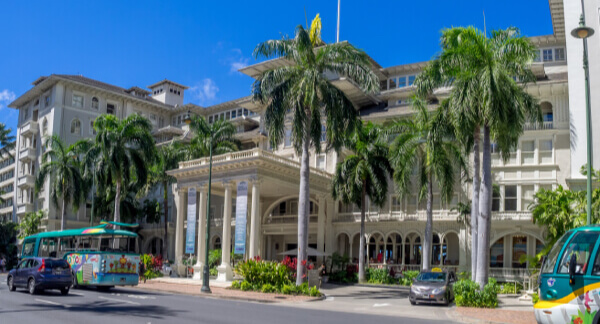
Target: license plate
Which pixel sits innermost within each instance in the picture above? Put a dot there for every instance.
(58, 271)
(425, 296)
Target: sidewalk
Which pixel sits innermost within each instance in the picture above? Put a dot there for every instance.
(510, 310)
(219, 290)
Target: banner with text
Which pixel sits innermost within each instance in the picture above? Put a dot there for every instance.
(190, 238)
(241, 208)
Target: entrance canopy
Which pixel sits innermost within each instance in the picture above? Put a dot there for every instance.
(310, 252)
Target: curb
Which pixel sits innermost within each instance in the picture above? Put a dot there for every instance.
(397, 287)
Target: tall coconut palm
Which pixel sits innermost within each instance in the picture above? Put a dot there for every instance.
(362, 174)
(122, 152)
(61, 163)
(7, 141)
(219, 134)
(167, 158)
(304, 94)
(483, 72)
(425, 143)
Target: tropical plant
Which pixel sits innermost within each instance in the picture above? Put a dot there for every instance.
(30, 224)
(122, 153)
(61, 163)
(302, 93)
(8, 243)
(364, 173)
(167, 158)
(483, 72)
(7, 141)
(218, 136)
(151, 213)
(424, 151)
(464, 213)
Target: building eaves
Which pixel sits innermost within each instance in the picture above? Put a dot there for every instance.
(169, 82)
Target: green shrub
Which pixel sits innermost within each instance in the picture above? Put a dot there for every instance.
(535, 298)
(288, 289)
(509, 288)
(464, 275)
(314, 292)
(246, 286)
(213, 272)
(379, 276)
(267, 288)
(258, 273)
(236, 284)
(468, 294)
(408, 276)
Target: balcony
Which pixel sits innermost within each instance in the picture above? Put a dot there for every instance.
(421, 215)
(30, 128)
(27, 181)
(535, 126)
(27, 154)
(24, 208)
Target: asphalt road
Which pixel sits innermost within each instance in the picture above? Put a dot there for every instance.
(126, 305)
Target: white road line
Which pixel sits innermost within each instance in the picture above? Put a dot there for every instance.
(51, 303)
(380, 305)
(119, 300)
(75, 294)
(329, 299)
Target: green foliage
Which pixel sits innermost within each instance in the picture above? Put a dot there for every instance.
(258, 272)
(218, 136)
(464, 275)
(245, 286)
(408, 277)
(30, 224)
(510, 288)
(380, 276)
(213, 272)
(314, 292)
(8, 243)
(236, 284)
(288, 289)
(214, 258)
(151, 266)
(268, 288)
(151, 211)
(468, 294)
(535, 298)
(337, 261)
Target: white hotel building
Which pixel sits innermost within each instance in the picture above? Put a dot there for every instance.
(546, 157)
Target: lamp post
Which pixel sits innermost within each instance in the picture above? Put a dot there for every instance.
(583, 32)
(206, 273)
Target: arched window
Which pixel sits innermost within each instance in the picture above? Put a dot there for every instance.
(76, 127)
(547, 113)
(95, 103)
(45, 127)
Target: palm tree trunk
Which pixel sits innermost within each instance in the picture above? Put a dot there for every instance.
(303, 208)
(428, 226)
(166, 207)
(485, 212)
(63, 221)
(361, 252)
(475, 201)
(118, 201)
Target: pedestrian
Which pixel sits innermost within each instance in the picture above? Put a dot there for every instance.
(142, 272)
(2, 265)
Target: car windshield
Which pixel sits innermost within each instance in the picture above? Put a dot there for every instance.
(432, 276)
(57, 264)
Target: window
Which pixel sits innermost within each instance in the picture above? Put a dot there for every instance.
(527, 152)
(288, 138)
(323, 133)
(402, 82)
(174, 121)
(92, 130)
(559, 54)
(382, 85)
(321, 161)
(581, 246)
(527, 193)
(392, 83)
(210, 119)
(519, 249)
(77, 101)
(76, 127)
(228, 115)
(95, 103)
(510, 198)
(110, 109)
(546, 151)
(536, 58)
(233, 112)
(47, 101)
(153, 119)
(179, 120)
(45, 127)
(411, 79)
(547, 55)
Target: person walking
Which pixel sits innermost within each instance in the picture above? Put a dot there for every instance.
(2, 265)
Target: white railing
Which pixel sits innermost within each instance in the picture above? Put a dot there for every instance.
(511, 274)
(246, 155)
(511, 215)
(438, 215)
(537, 126)
(29, 127)
(289, 219)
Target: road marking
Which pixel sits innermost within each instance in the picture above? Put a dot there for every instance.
(140, 297)
(380, 305)
(119, 300)
(76, 294)
(51, 303)
(329, 298)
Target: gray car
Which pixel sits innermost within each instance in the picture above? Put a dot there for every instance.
(432, 288)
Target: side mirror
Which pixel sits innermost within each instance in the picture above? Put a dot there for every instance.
(572, 265)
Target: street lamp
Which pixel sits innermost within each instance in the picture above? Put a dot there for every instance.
(583, 32)
(206, 273)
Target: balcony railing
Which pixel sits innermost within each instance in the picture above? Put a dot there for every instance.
(512, 274)
(511, 215)
(289, 219)
(27, 154)
(29, 128)
(27, 180)
(438, 215)
(537, 126)
(24, 208)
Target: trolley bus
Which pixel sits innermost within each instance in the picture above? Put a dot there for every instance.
(569, 284)
(100, 256)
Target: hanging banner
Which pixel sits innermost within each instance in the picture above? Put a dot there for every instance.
(190, 238)
(241, 208)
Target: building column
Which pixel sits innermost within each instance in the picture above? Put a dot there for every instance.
(321, 227)
(269, 251)
(200, 253)
(254, 219)
(180, 194)
(225, 273)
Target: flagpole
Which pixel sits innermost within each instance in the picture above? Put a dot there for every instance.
(337, 37)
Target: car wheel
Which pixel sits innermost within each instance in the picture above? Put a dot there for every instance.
(64, 291)
(31, 286)
(11, 284)
(413, 303)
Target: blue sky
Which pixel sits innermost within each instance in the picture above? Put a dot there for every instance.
(201, 44)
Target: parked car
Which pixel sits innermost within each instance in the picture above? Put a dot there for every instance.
(37, 274)
(432, 287)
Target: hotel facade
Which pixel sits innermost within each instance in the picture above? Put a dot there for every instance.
(547, 155)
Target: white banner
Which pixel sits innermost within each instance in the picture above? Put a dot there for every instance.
(190, 238)
(241, 208)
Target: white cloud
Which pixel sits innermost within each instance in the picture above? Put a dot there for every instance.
(239, 64)
(6, 97)
(205, 91)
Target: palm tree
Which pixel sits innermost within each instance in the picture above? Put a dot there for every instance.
(167, 158)
(62, 165)
(425, 143)
(361, 174)
(304, 93)
(122, 153)
(219, 135)
(7, 141)
(483, 72)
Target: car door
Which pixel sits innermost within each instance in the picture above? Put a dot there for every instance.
(20, 273)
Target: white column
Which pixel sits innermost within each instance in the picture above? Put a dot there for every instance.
(269, 252)
(181, 211)
(225, 273)
(254, 219)
(201, 253)
(321, 227)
